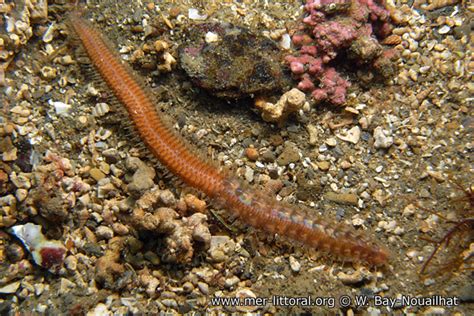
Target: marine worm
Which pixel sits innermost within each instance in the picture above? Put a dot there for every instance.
(251, 206)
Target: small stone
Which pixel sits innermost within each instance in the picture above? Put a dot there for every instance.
(242, 294)
(382, 140)
(343, 198)
(345, 165)
(194, 203)
(71, 263)
(323, 165)
(251, 153)
(21, 194)
(437, 175)
(313, 134)
(435, 310)
(48, 73)
(100, 109)
(249, 174)
(230, 282)
(188, 287)
(409, 210)
(294, 264)
(268, 156)
(142, 179)
(331, 142)
(221, 247)
(160, 46)
(354, 278)
(10, 155)
(120, 229)
(65, 286)
(352, 135)
(60, 108)
(203, 287)
(290, 154)
(104, 232)
(10, 288)
(96, 174)
(167, 198)
(429, 282)
(211, 37)
(444, 29)
(39, 288)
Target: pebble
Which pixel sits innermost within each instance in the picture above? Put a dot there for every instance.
(48, 73)
(429, 282)
(60, 108)
(188, 287)
(100, 109)
(323, 165)
(249, 173)
(169, 302)
(331, 142)
(352, 135)
(354, 278)
(71, 263)
(313, 134)
(65, 286)
(96, 174)
(39, 288)
(203, 287)
(444, 29)
(268, 156)
(295, 265)
(10, 288)
(120, 229)
(104, 232)
(21, 194)
(142, 179)
(230, 282)
(21, 180)
(221, 247)
(381, 139)
(242, 294)
(194, 203)
(345, 165)
(10, 155)
(251, 153)
(289, 154)
(343, 198)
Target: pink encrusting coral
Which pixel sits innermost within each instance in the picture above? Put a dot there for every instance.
(333, 27)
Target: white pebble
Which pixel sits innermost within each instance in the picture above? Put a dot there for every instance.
(211, 37)
(61, 108)
(193, 14)
(444, 29)
(285, 41)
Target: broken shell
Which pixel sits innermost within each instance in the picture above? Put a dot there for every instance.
(48, 254)
(100, 109)
(48, 35)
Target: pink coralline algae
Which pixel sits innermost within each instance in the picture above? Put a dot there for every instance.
(339, 28)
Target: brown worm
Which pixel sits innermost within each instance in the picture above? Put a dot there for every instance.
(249, 205)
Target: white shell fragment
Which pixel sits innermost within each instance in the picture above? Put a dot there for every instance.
(48, 254)
(61, 108)
(285, 41)
(211, 37)
(193, 14)
(352, 135)
(48, 35)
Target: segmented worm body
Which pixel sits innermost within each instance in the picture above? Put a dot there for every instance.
(249, 205)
